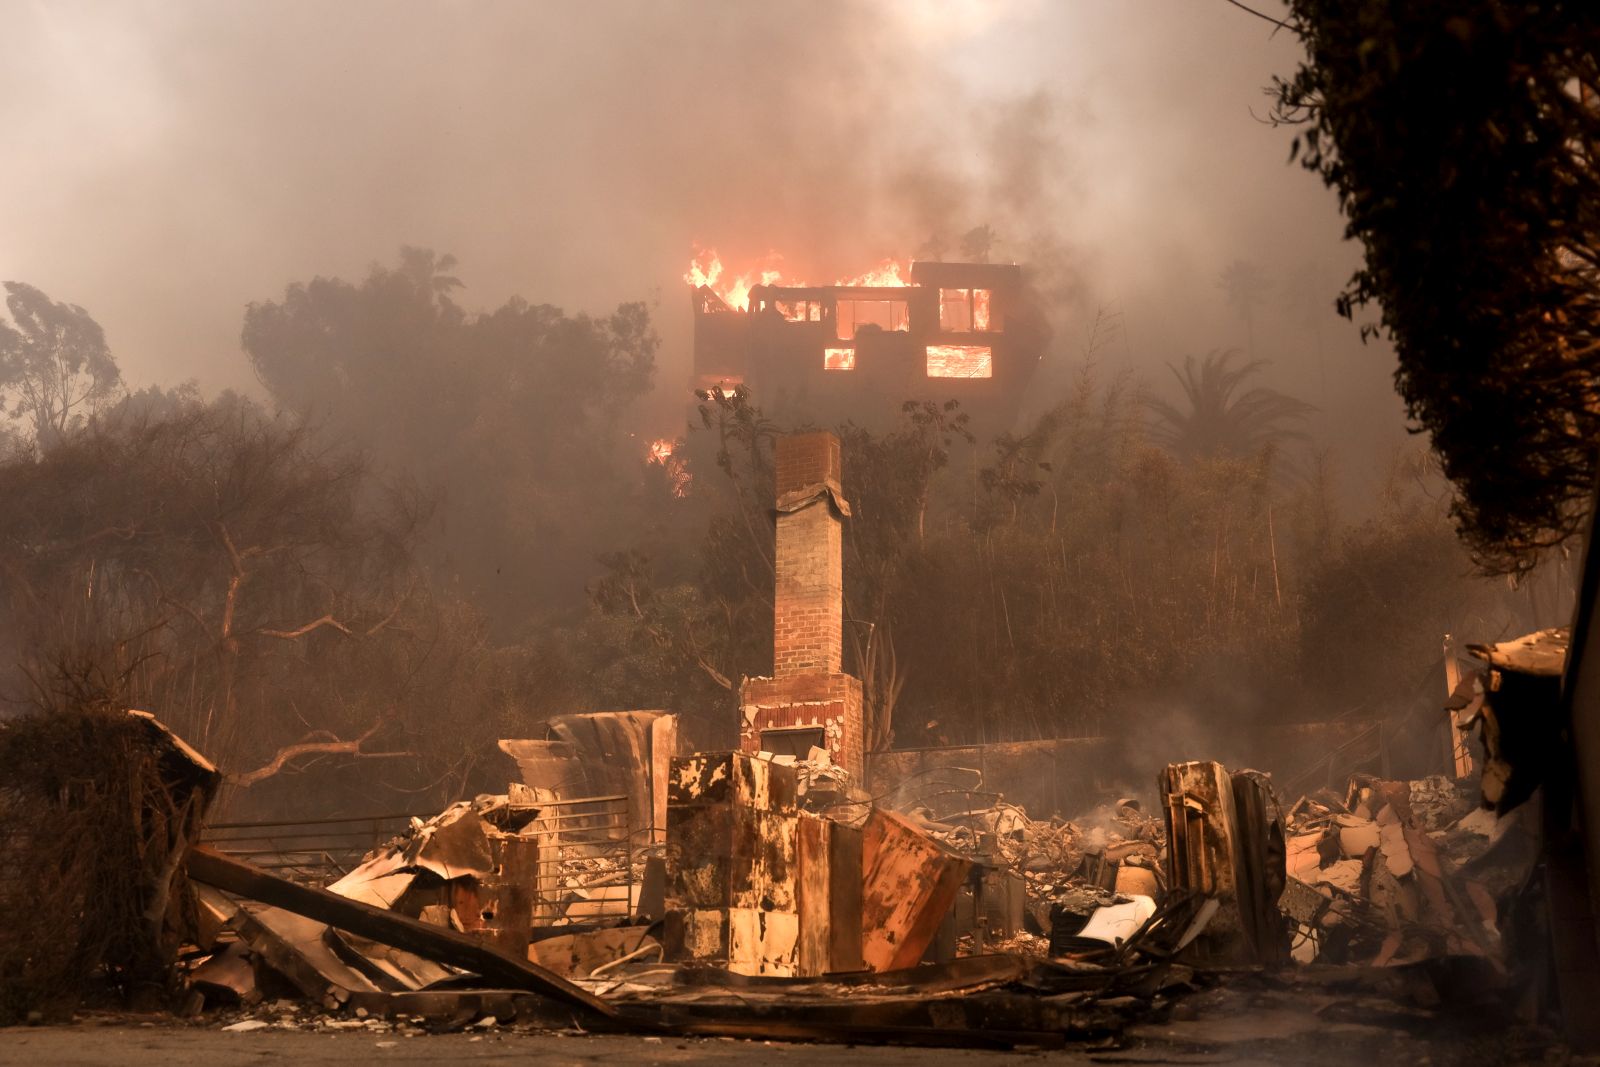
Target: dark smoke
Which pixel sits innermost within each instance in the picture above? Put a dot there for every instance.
(170, 162)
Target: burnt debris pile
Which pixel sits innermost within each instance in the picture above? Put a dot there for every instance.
(623, 882)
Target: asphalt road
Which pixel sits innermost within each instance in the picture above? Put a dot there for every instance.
(1241, 1023)
(166, 1045)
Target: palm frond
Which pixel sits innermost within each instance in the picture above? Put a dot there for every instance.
(1218, 416)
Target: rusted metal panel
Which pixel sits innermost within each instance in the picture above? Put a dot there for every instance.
(507, 892)
(698, 934)
(1202, 823)
(1260, 858)
(763, 941)
(813, 882)
(733, 827)
(844, 898)
(700, 861)
(605, 752)
(294, 946)
(663, 747)
(1003, 901)
(909, 882)
(731, 778)
(1226, 841)
(762, 875)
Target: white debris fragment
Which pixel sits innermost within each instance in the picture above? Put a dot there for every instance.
(244, 1026)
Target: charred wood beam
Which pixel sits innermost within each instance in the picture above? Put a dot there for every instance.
(441, 945)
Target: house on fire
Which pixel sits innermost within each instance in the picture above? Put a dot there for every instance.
(959, 331)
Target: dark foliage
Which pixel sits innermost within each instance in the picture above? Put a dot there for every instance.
(92, 819)
(257, 590)
(516, 420)
(1461, 138)
(1038, 595)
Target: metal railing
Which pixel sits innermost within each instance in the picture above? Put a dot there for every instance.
(309, 851)
(587, 863)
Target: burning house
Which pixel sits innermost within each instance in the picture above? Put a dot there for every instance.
(857, 348)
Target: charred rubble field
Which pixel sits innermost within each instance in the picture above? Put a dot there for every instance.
(628, 894)
(781, 914)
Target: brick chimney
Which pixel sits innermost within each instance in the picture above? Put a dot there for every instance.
(808, 607)
(809, 700)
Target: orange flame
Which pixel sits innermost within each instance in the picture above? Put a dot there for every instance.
(960, 361)
(886, 274)
(661, 452)
(706, 268)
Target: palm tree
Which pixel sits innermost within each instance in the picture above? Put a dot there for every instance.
(1219, 417)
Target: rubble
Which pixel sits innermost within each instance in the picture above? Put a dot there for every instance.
(909, 883)
(731, 870)
(818, 926)
(624, 885)
(603, 754)
(1226, 843)
(386, 927)
(1065, 868)
(962, 921)
(1371, 883)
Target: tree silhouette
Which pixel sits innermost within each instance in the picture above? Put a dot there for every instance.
(1219, 416)
(1462, 141)
(520, 418)
(55, 367)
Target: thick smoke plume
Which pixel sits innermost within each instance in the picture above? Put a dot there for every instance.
(171, 162)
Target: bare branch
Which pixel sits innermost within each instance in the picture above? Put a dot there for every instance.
(399, 603)
(315, 624)
(305, 748)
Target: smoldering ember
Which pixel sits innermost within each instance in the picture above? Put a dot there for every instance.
(952, 530)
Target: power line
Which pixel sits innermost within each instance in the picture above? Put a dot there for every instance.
(1262, 15)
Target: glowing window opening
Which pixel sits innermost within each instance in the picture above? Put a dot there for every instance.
(980, 309)
(964, 310)
(960, 361)
(800, 310)
(891, 315)
(838, 359)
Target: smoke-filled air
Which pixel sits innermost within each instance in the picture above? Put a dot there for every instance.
(352, 392)
(619, 529)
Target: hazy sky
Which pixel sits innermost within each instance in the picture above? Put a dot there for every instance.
(168, 162)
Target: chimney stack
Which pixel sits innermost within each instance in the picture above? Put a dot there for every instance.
(808, 608)
(809, 700)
